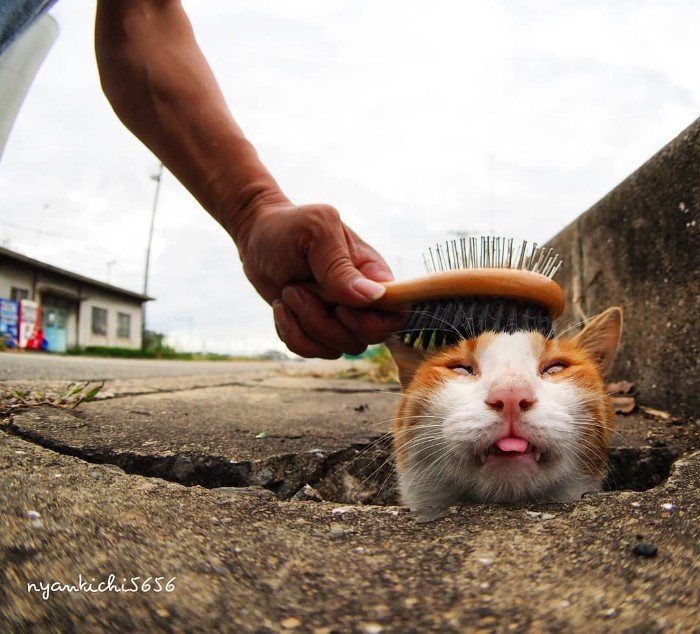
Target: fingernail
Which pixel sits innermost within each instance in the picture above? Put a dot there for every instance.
(280, 314)
(347, 317)
(367, 288)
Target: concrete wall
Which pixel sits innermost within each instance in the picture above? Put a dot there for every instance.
(11, 275)
(113, 306)
(639, 248)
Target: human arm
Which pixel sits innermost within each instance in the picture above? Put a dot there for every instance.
(162, 88)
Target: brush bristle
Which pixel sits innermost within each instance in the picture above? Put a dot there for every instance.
(490, 252)
(442, 322)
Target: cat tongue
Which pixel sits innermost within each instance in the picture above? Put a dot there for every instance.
(512, 444)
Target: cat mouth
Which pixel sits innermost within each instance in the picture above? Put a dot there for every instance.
(512, 448)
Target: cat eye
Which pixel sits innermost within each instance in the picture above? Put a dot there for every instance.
(553, 368)
(466, 370)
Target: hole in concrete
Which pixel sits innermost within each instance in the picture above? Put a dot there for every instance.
(638, 468)
(360, 474)
(368, 477)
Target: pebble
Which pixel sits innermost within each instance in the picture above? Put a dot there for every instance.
(218, 566)
(33, 515)
(372, 628)
(263, 477)
(308, 494)
(338, 530)
(291, 623)
(668, 506)
(645, 549)
(341, 510)
(541, 515)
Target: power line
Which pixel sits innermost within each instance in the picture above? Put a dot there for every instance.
(35, 230)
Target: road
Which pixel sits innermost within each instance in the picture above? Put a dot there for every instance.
(47, 367)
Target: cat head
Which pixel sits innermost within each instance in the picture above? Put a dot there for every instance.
(505, 417)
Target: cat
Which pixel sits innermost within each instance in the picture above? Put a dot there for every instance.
(504, 418)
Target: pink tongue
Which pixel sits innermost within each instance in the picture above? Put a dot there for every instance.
(512, 444)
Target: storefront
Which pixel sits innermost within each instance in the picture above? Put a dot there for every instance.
(45, 307)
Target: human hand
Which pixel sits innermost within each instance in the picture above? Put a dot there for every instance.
(283, 247)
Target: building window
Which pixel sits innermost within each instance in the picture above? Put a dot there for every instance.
(18, 294)
(99, 321)
(123, 325)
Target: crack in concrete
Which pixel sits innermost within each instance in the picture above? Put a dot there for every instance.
(362, 472)
(283, 474)
(333, 390)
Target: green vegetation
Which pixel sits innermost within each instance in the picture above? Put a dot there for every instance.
(380, 369)
(15, 399)
(155, 342)
(154, 348)
(167, 353)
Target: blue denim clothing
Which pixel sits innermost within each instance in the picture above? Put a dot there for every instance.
(17, 15)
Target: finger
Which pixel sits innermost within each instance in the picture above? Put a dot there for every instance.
(331, 264)
(370, 326)
(376, 270)
(318, 323)
(293, 336)
(366, 259)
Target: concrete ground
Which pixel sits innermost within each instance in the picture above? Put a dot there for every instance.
(194, 472)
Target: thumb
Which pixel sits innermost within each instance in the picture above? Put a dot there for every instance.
(340, 280)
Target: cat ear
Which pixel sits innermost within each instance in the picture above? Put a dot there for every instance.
(601, 337)
(406, 358)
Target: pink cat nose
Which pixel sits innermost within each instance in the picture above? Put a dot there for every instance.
(511, 399)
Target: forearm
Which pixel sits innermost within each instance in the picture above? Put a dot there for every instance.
(161, 87)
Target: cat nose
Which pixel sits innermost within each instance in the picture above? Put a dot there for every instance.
(511, 400)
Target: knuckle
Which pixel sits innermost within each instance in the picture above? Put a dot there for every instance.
(337, 266)
(320, 216)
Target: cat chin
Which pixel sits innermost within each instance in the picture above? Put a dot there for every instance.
(432, 503)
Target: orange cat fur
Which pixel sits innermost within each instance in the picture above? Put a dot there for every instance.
(505, 417)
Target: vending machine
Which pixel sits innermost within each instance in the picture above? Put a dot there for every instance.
(9, 320)
(29, 323)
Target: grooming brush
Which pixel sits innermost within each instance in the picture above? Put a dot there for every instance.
(474, 285)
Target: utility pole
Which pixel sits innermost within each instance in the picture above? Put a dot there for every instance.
(157, 178)
(110, 264)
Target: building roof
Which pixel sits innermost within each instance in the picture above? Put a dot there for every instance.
(18, 257)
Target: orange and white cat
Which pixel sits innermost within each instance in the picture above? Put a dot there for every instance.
(505, 418)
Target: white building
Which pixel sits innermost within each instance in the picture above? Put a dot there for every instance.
(75, 310)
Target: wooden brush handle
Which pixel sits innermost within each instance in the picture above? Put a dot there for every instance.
(509, 283)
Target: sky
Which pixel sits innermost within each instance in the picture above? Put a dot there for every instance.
(413, 118)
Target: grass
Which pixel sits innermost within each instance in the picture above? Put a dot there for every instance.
(380, 367)
(137, 353)
(15, 399)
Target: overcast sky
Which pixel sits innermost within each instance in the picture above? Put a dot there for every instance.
(412, 118)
